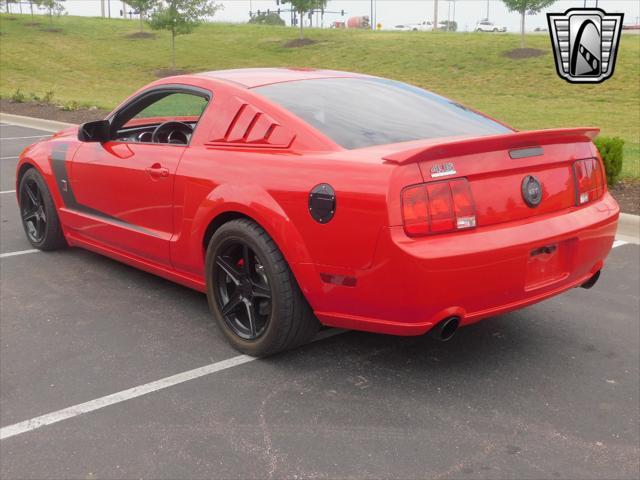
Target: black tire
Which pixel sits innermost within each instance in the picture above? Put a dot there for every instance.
(38, 213)
(284, 321)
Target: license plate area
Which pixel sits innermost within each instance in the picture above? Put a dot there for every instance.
(546, 265)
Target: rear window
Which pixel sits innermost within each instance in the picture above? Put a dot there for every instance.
(361, 112)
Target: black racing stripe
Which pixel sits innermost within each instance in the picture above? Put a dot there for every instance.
(59, 168)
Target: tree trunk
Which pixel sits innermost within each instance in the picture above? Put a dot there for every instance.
(141, 22)
(301, 15)
(173, 49)
(31, 6)
(522, 17)
(51, 16)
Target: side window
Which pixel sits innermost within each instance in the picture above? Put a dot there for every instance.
(175, 105)
(160, 116)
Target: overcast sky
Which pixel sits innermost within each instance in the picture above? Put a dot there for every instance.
(393, 12)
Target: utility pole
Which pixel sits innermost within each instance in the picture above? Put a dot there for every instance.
(371, 16)
(454, 11)
(435, 14)
(109, 6)
(487, 9)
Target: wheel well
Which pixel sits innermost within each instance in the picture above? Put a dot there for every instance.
(217, 222)
(22, 171)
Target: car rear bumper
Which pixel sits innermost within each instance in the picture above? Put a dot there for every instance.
(413, 284)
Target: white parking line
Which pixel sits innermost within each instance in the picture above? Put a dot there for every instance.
(124, 395)
(8, 191)
(618, 243)
(8, 158)
(24, 138)
(21, 252)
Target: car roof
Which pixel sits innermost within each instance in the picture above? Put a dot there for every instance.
(257, 77)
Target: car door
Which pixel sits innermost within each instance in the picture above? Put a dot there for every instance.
(123, 188)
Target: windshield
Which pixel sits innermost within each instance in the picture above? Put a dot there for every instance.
(361, 112)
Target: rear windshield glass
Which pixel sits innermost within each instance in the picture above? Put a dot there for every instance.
(361, 112)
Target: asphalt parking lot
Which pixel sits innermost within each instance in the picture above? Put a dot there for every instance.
(551, 391)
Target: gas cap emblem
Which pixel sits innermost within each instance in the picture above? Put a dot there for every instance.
(531, 191)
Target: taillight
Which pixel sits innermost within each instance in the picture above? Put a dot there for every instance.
(589, 180)
(438, 207)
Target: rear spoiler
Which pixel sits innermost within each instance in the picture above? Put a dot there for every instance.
(510, 141)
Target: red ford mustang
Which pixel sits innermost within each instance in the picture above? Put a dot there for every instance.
(298, 197)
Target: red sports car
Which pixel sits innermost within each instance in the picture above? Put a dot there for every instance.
(299, 197)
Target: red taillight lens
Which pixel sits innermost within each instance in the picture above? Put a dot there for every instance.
(415, 210)
(589, 180)
(438, 207)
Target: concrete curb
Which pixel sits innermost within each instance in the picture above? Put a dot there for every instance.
(628, 225)
(629, 228)
(37, 123)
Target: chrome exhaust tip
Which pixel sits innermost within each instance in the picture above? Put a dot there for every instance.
(446, 329)
(592, 281)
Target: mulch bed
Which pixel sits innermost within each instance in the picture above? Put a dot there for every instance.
(299, 42)
(141, 35)
(51, 112)
(522, 53)
(627, 193)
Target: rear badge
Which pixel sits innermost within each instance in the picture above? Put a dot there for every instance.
(443, 170)
(531, 191)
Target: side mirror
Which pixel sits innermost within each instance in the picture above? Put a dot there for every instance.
(99, 131)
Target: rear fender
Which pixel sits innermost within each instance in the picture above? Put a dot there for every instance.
(257, 204)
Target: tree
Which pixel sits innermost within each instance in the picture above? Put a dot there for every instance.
(264, 18)
(304, 6)
(142, 7)
(52, 6)
(181, 17)
(525, 7)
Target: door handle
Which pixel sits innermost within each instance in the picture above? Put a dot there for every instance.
(156, 171)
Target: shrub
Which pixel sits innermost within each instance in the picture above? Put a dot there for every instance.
(264, 18)
(18, 97)
(610, 149)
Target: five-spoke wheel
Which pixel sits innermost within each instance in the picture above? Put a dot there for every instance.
(244, 294)
(253, 294)
(38, 212)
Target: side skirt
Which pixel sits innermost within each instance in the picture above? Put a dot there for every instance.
(188, 281)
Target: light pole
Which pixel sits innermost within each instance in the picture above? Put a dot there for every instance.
(487, 9)
(435, 14)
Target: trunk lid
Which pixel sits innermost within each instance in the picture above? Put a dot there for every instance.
(499, 167)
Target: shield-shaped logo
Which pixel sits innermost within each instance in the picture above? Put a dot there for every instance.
(585, 43)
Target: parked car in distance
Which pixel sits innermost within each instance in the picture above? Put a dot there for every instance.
(425, 26)
(296, 197)
(487, 26)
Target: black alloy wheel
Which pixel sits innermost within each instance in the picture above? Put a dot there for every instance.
(244, 294)
(32, 211)
(38, 212)
(253, 294)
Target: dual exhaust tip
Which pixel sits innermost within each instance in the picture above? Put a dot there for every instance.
(448, 327)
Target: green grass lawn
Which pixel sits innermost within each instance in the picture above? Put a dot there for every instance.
(92, 62)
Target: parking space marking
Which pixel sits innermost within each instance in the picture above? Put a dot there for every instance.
(24, 138)
(7, 191)
(21, 252)
(135, 392)
(8, 158)
(618, 243)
